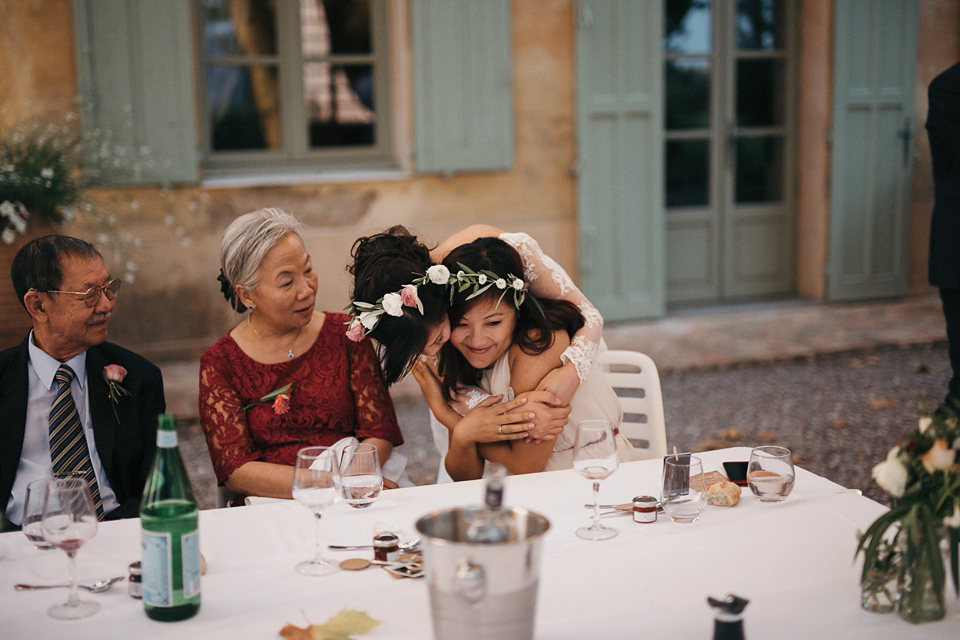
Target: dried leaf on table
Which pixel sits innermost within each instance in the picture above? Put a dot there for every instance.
(340, 627)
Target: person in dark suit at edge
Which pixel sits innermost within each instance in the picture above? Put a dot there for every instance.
(943, 131)
(64, 285)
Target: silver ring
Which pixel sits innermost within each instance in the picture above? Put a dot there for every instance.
(500, 430)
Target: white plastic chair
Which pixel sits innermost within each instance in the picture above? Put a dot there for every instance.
(634, 378)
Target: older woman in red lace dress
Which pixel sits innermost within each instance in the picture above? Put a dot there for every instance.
(286, 376)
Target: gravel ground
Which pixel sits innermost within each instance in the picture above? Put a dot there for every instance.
(838, 414)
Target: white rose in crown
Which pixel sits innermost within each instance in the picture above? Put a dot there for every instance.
(368, 319)
(438, 274)
(891, 475)
(393, 304)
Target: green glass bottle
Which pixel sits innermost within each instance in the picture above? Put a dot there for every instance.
(169, 533)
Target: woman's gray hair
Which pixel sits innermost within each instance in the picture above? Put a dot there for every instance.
(244, 245)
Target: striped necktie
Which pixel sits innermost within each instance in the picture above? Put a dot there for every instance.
(68, 445)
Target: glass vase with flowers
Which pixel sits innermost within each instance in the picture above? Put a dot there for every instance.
(922, 476)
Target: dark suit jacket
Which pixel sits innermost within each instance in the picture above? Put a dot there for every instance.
(943, 129)
(125, 448)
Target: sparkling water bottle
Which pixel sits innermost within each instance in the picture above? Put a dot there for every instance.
(170, 538)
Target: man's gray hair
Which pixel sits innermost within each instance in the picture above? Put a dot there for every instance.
(246, 242)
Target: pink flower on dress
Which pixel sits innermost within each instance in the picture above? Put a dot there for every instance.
(114, 373)
(356, 332)
(409, 295)
(282, 404)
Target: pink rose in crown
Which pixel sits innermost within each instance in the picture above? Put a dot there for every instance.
(409, 295)
(114, 373)
(356, 332)
(282, 404)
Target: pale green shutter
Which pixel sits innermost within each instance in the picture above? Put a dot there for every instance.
(463, 99)
(620, 157)
(874, 92)
(135, 75)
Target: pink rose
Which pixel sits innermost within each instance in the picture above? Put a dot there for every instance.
(356, 332)
(282, 404)
(409, 295)
(940, 457)
(114, 373)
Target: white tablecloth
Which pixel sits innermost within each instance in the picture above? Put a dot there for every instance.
(793, 561)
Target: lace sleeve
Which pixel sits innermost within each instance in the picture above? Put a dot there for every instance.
(223, 419)
(376, 416)
(468, 398)
(549, 280)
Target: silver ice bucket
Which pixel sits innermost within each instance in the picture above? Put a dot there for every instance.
(482, 591)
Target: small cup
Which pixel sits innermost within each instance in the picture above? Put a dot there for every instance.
(33, 513)
(684, 494)
(770, 473)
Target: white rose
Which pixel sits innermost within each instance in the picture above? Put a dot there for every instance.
(501, 283)
(482, 278)
(891, 475)
(518, 284)
(8, 236)
(46, 173)
(954, 520)
(369, 319)
(438, 274)
(6, 208)
(925, 423)
(393, 304)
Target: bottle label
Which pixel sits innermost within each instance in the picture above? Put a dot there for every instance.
(157, 571)
(190, 545)
(166, 439)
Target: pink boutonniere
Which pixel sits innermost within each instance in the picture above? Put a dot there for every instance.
(280, 397)
(114, 374)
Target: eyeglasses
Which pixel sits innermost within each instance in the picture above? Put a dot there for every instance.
(92, 295)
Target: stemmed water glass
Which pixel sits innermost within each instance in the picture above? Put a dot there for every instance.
(360, 475)
(595, 457)
(315, 480)
(68, 522)
(32, 523)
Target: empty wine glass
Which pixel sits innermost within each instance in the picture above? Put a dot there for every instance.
(770, 473)
(595, 457)
(68, 522)
(32, 523)
(684, 494)
(315, 487)
(360, 475)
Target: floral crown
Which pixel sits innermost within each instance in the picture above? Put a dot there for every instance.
(364, 316)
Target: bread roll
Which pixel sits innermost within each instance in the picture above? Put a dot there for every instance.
(723, 494)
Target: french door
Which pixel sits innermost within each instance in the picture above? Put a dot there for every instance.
(728, 148)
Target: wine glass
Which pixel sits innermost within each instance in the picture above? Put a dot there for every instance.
(315, 487)
(32, 523)
(684, 495)
(69, 521)
(360, 475)
(595, 457)
(770, 473)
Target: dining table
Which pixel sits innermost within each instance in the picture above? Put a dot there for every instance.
(793, 560)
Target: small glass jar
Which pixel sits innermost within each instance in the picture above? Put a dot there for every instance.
(645, 509)
(386, 547)
(134, 584)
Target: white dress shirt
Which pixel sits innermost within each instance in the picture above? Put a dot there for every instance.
(35, 456)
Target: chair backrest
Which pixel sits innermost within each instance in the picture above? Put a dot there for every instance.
(634, 378)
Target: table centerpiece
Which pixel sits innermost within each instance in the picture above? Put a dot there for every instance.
(922, 476)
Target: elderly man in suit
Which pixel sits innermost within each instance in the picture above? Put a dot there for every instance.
(943, 130)
(61, 415)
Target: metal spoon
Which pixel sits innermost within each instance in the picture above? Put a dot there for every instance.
(96, 587)
(406, 545)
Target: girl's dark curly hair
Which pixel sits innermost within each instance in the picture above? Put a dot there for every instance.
(534, 329)
(383, 263)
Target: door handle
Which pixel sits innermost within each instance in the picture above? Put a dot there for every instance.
(907, 135)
